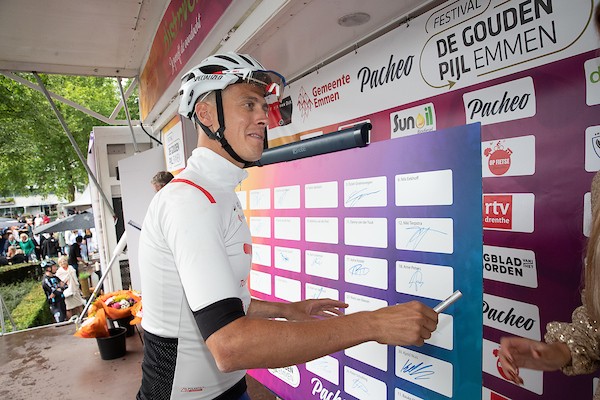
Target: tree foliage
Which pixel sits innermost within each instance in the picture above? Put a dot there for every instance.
(36, 156)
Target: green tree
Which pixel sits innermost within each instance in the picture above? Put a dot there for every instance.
(36, 156)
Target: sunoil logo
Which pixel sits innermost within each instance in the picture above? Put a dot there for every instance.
(413, 120)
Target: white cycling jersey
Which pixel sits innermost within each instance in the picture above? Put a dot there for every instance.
(194, 251)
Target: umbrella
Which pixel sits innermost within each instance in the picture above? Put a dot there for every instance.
(72, 222)
(8, 222)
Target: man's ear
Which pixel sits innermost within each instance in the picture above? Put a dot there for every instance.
(203, 111)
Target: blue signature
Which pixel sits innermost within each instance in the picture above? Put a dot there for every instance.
(316, 261)
(417, 371)
(357, 384)
(419, 234)
(417, 280)
(356, 196)
(358, 270)
(322, 365)
(284, 257)
(317, 295)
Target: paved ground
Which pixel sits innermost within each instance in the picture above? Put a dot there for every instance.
(50, 363)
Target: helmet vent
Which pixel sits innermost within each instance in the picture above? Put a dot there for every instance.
(246, 59)
(224, 57)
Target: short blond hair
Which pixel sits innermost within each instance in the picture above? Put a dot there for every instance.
(61, 259)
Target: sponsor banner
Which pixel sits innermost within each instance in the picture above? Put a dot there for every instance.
(592, 148)
(532, 380)
(592, 81)
(509, 212)
(173, 146)
(456, 45)
(505, 102)
(413, 120)
(521, 319)
(508, 157)
(514, 266)
(185, 24)
(487, 394)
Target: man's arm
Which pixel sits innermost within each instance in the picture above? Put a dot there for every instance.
(297, 311)
(249, 342)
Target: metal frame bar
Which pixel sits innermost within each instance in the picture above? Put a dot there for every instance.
(110, 120)
(74, 143)
(118, 249)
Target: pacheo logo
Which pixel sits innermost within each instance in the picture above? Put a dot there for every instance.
(413, 120)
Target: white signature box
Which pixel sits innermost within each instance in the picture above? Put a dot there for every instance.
(402, 395)
(287, 259)
(431, 188)
(367, 232)
(371, 353)
(286, 197)
(287, 228)
(313, 291)
(261, 254)
(424, 280)
(321, 230)
(435, 235)
(260, 281)
(321, 195)
(287, 289)
(423, 370)
(326, 367)
(366, 271)
(260, 199)
(362, 386)
(242, 196)
(366, 192)
(324, 265)
(260, 227)
(443, 336)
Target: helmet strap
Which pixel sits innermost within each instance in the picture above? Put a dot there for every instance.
(219, 133)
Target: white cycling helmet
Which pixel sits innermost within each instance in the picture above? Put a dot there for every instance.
(214, 74)
(221, 70)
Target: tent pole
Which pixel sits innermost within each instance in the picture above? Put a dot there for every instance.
(135, 146)
(118, 249)
(74, 143)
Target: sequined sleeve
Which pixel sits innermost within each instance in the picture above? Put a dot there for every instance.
(583, 340)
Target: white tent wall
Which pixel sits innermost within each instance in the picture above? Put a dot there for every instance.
(108, 145)
(137, 192)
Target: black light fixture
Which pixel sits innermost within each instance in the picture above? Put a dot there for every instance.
(356, 136)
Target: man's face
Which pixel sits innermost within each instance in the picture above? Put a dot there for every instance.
(245, 111)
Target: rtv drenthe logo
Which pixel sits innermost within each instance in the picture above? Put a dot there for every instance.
(413, 120)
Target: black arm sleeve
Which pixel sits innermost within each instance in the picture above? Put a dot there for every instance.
(215, 316)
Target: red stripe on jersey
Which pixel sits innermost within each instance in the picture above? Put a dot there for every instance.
(206, 193)
(247, 248)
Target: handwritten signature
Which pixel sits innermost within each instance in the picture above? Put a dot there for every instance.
(358, 384)
(318, 293)
(419, 234)
(417, 280)
(417, 371)
(355, 197)
(358, 270)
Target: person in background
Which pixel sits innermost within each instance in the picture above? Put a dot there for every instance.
(202, 329)
(28, 246)
(75, 254)
(73, 300)
(53, 288)
(50, 247)
(4, 242)
(161, 179)
(15, 256)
